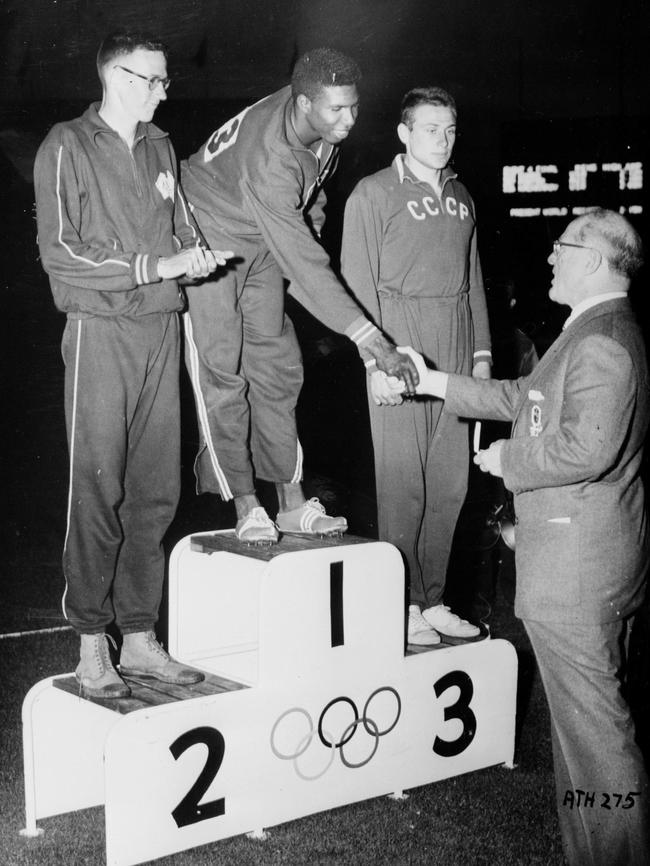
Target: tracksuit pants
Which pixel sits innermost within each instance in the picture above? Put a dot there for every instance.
(246, 370)
(421, 451)
(123, 424)
(421, 476)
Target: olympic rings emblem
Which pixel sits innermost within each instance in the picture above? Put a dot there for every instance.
(292, 720)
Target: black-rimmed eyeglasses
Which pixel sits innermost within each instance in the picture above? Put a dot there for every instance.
(557, 246)
(152, 81)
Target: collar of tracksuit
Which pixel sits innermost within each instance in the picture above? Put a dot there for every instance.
(99, 126)
(405, 173)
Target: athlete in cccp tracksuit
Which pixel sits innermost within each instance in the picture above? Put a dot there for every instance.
(410, 256)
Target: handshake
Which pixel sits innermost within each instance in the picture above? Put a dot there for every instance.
(388, 389)
(409, 376)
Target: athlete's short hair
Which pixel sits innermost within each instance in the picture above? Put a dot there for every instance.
(123, 41)
(615, 238)
(323, 67)
(425, 96)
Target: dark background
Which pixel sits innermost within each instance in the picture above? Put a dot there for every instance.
(537, 82)
(541, 82)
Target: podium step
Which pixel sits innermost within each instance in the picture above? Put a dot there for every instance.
(309, 702)
(228, 543)
(149, 692)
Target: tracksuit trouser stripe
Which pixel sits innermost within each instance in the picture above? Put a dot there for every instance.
(123, 421)
(192, 355)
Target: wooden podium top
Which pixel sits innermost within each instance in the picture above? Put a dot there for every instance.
(220, 542)
(149, 692)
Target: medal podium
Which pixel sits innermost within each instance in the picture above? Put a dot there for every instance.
(310, 702)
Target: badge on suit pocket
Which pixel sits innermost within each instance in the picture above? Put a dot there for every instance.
(535, 420)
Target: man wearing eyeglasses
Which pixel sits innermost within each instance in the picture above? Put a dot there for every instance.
(110, 220)
(573, 463)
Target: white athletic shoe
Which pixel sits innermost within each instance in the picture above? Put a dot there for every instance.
(257, 528)
(418, 631)
(310, 519)
(450, 627)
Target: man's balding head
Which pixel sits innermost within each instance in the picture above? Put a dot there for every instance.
(615, 237)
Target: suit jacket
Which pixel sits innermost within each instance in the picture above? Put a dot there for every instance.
(573, 464)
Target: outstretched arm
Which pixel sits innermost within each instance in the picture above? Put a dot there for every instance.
(360, 265)
(434, 383)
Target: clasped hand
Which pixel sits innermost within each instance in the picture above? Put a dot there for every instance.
(386, 390)
(394, 364)
(195, 263)
(389, 389)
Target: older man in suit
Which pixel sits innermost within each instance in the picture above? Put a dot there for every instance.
(573, 464)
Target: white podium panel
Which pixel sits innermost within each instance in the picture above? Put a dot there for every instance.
(310, 702)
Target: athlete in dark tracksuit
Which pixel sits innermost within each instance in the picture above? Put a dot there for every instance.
(106, 215)
(256, 189)
(410, 257)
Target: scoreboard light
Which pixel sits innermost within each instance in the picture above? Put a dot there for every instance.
(542, 180)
